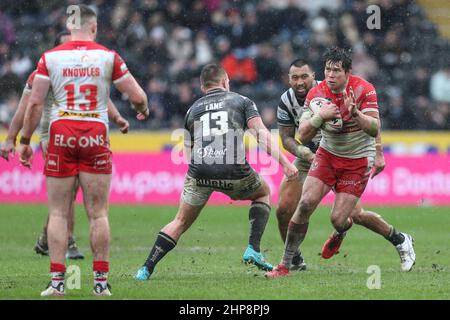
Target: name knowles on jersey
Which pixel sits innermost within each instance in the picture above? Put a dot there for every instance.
(81, 72)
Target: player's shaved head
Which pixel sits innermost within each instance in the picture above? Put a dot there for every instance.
(80, 16)
(300, 63)
(212, 75)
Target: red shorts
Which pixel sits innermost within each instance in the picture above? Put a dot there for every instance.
(343, 174)
(77, 146)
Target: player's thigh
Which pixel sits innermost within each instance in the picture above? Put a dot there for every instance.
(344, 204)
(314, 190)
(194, 194)
(253, 187)
(95, 193)
(60, 194)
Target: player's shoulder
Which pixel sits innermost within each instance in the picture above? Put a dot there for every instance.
(287, 97)
(320, 90)
(79, 45)
(239, 97)
(356, 81)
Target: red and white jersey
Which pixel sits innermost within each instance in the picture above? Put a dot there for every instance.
(45, 119)
(81, 73)
(351, 142)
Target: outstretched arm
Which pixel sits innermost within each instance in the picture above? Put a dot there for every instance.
(15, 126)
(268, 143)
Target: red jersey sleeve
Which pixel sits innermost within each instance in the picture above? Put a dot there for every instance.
(29, 83)
(120, 69)
(311, 95)
(42, 70)
(368, 100)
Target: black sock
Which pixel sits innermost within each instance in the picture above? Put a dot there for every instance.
(258, 217)
(162, 246)
(395, 237)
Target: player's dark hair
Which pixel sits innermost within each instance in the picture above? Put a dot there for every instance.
(338, 55)
(211, 75)
(59, 37)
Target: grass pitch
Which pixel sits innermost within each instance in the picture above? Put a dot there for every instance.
(206, 264)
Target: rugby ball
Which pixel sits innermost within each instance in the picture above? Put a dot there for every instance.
(332, 125)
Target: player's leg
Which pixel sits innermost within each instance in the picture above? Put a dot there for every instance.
(41, 245)
(289, 197)
(403, 242)
(258, 216)
(341, 221)
(314, 190)
(193, 200)
(352, 178)
(59, 198)
(72, 248)
(95, 194)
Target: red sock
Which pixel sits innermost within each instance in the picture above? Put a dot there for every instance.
(57, 267)
(100, 266)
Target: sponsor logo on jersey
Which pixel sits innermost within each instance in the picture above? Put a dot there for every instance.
(64, 114)
(370, 93)
(218, 184)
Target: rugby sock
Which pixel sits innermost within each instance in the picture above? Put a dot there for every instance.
(163, 244)
(296, 234)
(57, 271)
(395, 237)
(101, 269)
(258, 217)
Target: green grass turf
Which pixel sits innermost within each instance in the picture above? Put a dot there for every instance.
(206, 264)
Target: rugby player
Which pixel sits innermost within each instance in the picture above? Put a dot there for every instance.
(215, 148)
(343, 161)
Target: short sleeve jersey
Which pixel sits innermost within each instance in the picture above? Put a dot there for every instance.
(81, 73)
(215, 126)
(290, 113)
(351, 141)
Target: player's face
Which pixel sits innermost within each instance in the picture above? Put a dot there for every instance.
(335, 76)
(301, 80)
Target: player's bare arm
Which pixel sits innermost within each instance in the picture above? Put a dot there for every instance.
(368, 122)
(115, 116)
(136, 95)
(15, 126)
(267, 142)
(308, 129)
(33, 115)
(287, 134)
(379, 162)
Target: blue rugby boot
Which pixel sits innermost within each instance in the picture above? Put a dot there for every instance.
(142, 274)
(256, 258)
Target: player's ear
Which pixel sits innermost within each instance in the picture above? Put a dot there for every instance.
(313, 75)
(203, 89)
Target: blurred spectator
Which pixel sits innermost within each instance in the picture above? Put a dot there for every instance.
(7, 110)
(440, 85)
(166, 42)
(241, 69)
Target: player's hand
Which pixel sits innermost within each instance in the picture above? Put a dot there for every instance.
(378, 165)
(25, 155)
(9, 147)
(350, 102)
(311, 157)
(290, 171)
(143, 115)
(123, 124)
(329, 111)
